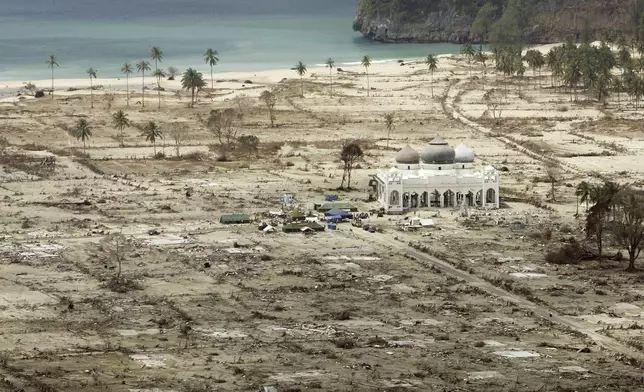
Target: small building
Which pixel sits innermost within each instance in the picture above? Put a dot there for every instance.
(234, 219)
(297, 216)
(301, 226)
(339, 205)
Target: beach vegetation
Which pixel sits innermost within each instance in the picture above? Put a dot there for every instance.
(300, 69)
(366, 63)
(82, 131)
(627, 225)
(432, 65)
(192, 81)
(120, 122)
(141, 67)
(483, 22)
(127, 70)
(212, 58)
(156, 54)
(172, 73)
(330, 63)
(269, 99)
(151, 133)
(91, 72)
(52, 63)
(159, 73)
(468, 51)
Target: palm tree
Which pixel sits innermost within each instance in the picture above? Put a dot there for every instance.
(330, 63)
(127, 70)
(151, 132)
(468, 51)
(300, 68)
(82, 131)
(52, 63)
(159, 73)
(432, 65)
(120, 121)
(531, 58)
(156, 54)
(92, 75)
(583, 193)
(212, 58)
(389, 122)
(192, 80)
(142, 66)
(519, 68)
(366, 63)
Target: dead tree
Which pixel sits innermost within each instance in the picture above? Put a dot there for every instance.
(553, 176)
(350, 154)
(116, 247)
(493, 99)
(178, 133)
(269, 98)
(224, 125)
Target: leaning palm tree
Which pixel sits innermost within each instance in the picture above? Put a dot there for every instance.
(300, 68)
(583, 193)
(432, 65)
(212, 58)
(142, 66)
(192, 80)
(52, 63)
(127, 70)
(330, 63)
(82, 131)
(156, 54)
(151, 133)
(468, 51)
(366, 63)
(120, 121)
(92, 75)
(159, 73)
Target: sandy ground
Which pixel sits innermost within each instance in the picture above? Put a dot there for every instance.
(231, 308)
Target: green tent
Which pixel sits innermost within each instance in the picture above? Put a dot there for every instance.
(338, 205)
(234, 219)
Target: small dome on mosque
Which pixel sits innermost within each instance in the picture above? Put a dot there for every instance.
(463, 154)
(407, 156)
(438, 151)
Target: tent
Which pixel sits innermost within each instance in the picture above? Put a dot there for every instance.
(338, 212)
(339, 205)
(234, 219)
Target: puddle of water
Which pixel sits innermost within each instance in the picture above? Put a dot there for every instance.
(573, 369)
(528, 275)
(484, 375)
(517, 354)
(149, 361)
(132, 332)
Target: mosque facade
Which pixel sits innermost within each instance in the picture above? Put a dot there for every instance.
(436, 176)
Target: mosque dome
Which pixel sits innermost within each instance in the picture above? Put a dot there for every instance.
(463, 154)
(407, 156)
(438, 151)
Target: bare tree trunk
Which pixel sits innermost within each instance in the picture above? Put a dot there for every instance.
(143, 89)
(127, 86)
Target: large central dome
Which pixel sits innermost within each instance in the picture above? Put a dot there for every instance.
(437, 152)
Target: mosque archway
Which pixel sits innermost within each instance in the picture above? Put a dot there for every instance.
(406, 200)
(435, 199)
(424, 199)
(394, 198)
(479, 198)
(414, 200)
(448, 198)
(469, 197)
(490, 196)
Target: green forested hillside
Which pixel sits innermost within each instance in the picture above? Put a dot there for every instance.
(488, 20)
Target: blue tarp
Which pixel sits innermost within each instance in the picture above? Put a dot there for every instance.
(331, 198)
(336, 212)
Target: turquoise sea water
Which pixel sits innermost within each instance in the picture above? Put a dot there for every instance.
(248, 34)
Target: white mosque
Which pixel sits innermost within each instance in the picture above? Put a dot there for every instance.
(438, 176)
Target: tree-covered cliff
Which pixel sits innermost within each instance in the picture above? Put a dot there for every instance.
(530, 21)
